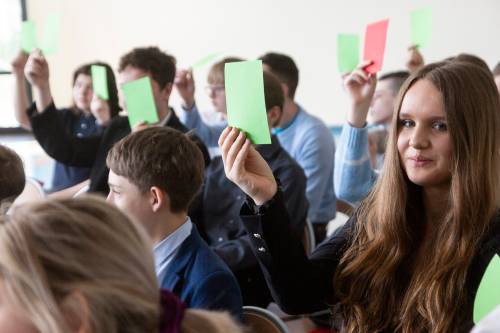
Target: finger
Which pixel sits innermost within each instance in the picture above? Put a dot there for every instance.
(223, 135)
(239, 162)
(235, 148)
(227, 143)
(364, 64)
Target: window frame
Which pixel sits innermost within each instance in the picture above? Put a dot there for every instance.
(18, 129)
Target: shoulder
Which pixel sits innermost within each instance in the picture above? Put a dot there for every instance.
(313, 129)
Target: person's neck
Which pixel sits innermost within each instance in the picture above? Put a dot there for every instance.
(436, 200)
(290, 109)
(165, 224)
(162, 113)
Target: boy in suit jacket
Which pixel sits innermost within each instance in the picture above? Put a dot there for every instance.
(154, 176)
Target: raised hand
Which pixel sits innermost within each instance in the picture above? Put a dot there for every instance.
(184, 83)
(37, 70)
(18, 63)
(360, 87)
(414, 59)
(245, 167)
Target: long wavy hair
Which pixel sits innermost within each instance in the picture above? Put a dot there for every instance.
(378, 284)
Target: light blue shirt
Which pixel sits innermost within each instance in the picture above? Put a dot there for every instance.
(209, 134)
(311, 144)
(354, 176)
(165, 251)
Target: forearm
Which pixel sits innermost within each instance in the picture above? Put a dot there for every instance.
(297, 284)
(21, 102)
(353, 176)
(70, 191)
(42, 96)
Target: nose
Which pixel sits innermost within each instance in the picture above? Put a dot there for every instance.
(419, 138)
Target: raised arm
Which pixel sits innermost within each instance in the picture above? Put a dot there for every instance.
(21, 101)
(47, 125)
(298, 284)
(189, 115)
(354, 175)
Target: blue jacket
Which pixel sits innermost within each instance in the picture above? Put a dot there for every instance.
(201, 279)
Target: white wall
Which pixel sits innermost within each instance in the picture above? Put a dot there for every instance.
(305, 29)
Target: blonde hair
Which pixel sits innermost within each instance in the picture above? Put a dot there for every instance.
(377, 286)
(54, 253)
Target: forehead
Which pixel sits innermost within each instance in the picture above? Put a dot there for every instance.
(83, 78)
(117, 180)
(423, 100)
(130, 73)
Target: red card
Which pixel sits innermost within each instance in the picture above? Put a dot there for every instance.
(375, 37)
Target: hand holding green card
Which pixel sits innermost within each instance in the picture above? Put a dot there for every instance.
(139, 102)
(421, 27)
(246, 107)
(488, 293)
(347, 52)
(100, 81)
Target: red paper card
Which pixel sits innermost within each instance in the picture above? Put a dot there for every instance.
(375, 37)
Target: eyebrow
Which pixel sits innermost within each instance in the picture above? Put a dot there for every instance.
(406, 114)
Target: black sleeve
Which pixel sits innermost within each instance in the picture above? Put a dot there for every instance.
(50, 132)
(298, 284)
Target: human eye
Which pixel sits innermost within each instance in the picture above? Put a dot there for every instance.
(440, 126)
(406, 123)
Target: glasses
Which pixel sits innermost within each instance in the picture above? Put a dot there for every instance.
(216, 89)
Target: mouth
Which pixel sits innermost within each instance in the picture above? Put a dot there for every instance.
(419, 161)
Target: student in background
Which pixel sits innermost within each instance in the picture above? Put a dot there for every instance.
(80, 265)
(412, 256)
(361, 146)
(92, 151)
(154, 176)
(80, 120)
(12, 178)
(307, 139)
(496, 75)
(217, 214)
(190, 116)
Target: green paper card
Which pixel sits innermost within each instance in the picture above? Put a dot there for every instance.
(488, 293)
(347, 52)
(204, 61)
(139, 102)
(100, 81)
(245, 101)
(28, 36)
(51, 32)
(421, 27)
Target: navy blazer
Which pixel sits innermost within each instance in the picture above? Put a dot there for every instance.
(201, 279)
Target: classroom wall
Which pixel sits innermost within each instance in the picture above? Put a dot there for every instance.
(306, 30)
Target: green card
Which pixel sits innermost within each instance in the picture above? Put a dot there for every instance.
(246, 106)
(421, 27)
(347, 52)
(204, 61)
(139, 102)
(100, 81)
(488, 293)
(28, 36)
(51, 32)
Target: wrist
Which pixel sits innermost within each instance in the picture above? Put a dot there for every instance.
(188, 104)
(267, 195)
(357, 116)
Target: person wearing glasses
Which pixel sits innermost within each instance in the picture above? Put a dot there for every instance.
(190, 116)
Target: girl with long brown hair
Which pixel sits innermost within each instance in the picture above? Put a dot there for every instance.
(412, 256)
